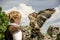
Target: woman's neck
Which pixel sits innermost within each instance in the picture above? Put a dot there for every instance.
(14, 24)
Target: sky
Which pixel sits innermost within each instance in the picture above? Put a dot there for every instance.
(36, 4)
(25, 7)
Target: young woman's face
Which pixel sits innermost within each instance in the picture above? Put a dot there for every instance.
(17, 20)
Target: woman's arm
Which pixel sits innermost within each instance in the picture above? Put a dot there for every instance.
(22, 36)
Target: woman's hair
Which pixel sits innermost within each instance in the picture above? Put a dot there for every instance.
(13, 15)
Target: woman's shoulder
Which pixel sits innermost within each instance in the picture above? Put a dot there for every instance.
(13, 29)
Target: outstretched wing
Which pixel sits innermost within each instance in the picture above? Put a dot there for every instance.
(43, 15)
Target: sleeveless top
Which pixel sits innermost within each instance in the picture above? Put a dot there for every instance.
(16, 35)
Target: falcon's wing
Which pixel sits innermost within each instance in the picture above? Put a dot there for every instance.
(43, 15)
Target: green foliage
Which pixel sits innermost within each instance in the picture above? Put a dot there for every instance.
(3, 24)
(0, 8)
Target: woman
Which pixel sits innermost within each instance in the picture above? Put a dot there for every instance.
(13, 31)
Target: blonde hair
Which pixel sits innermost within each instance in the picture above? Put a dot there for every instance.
(13, 15)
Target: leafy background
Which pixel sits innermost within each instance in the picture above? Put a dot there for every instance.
(3, 24)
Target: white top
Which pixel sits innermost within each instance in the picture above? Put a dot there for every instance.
(16, 35)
